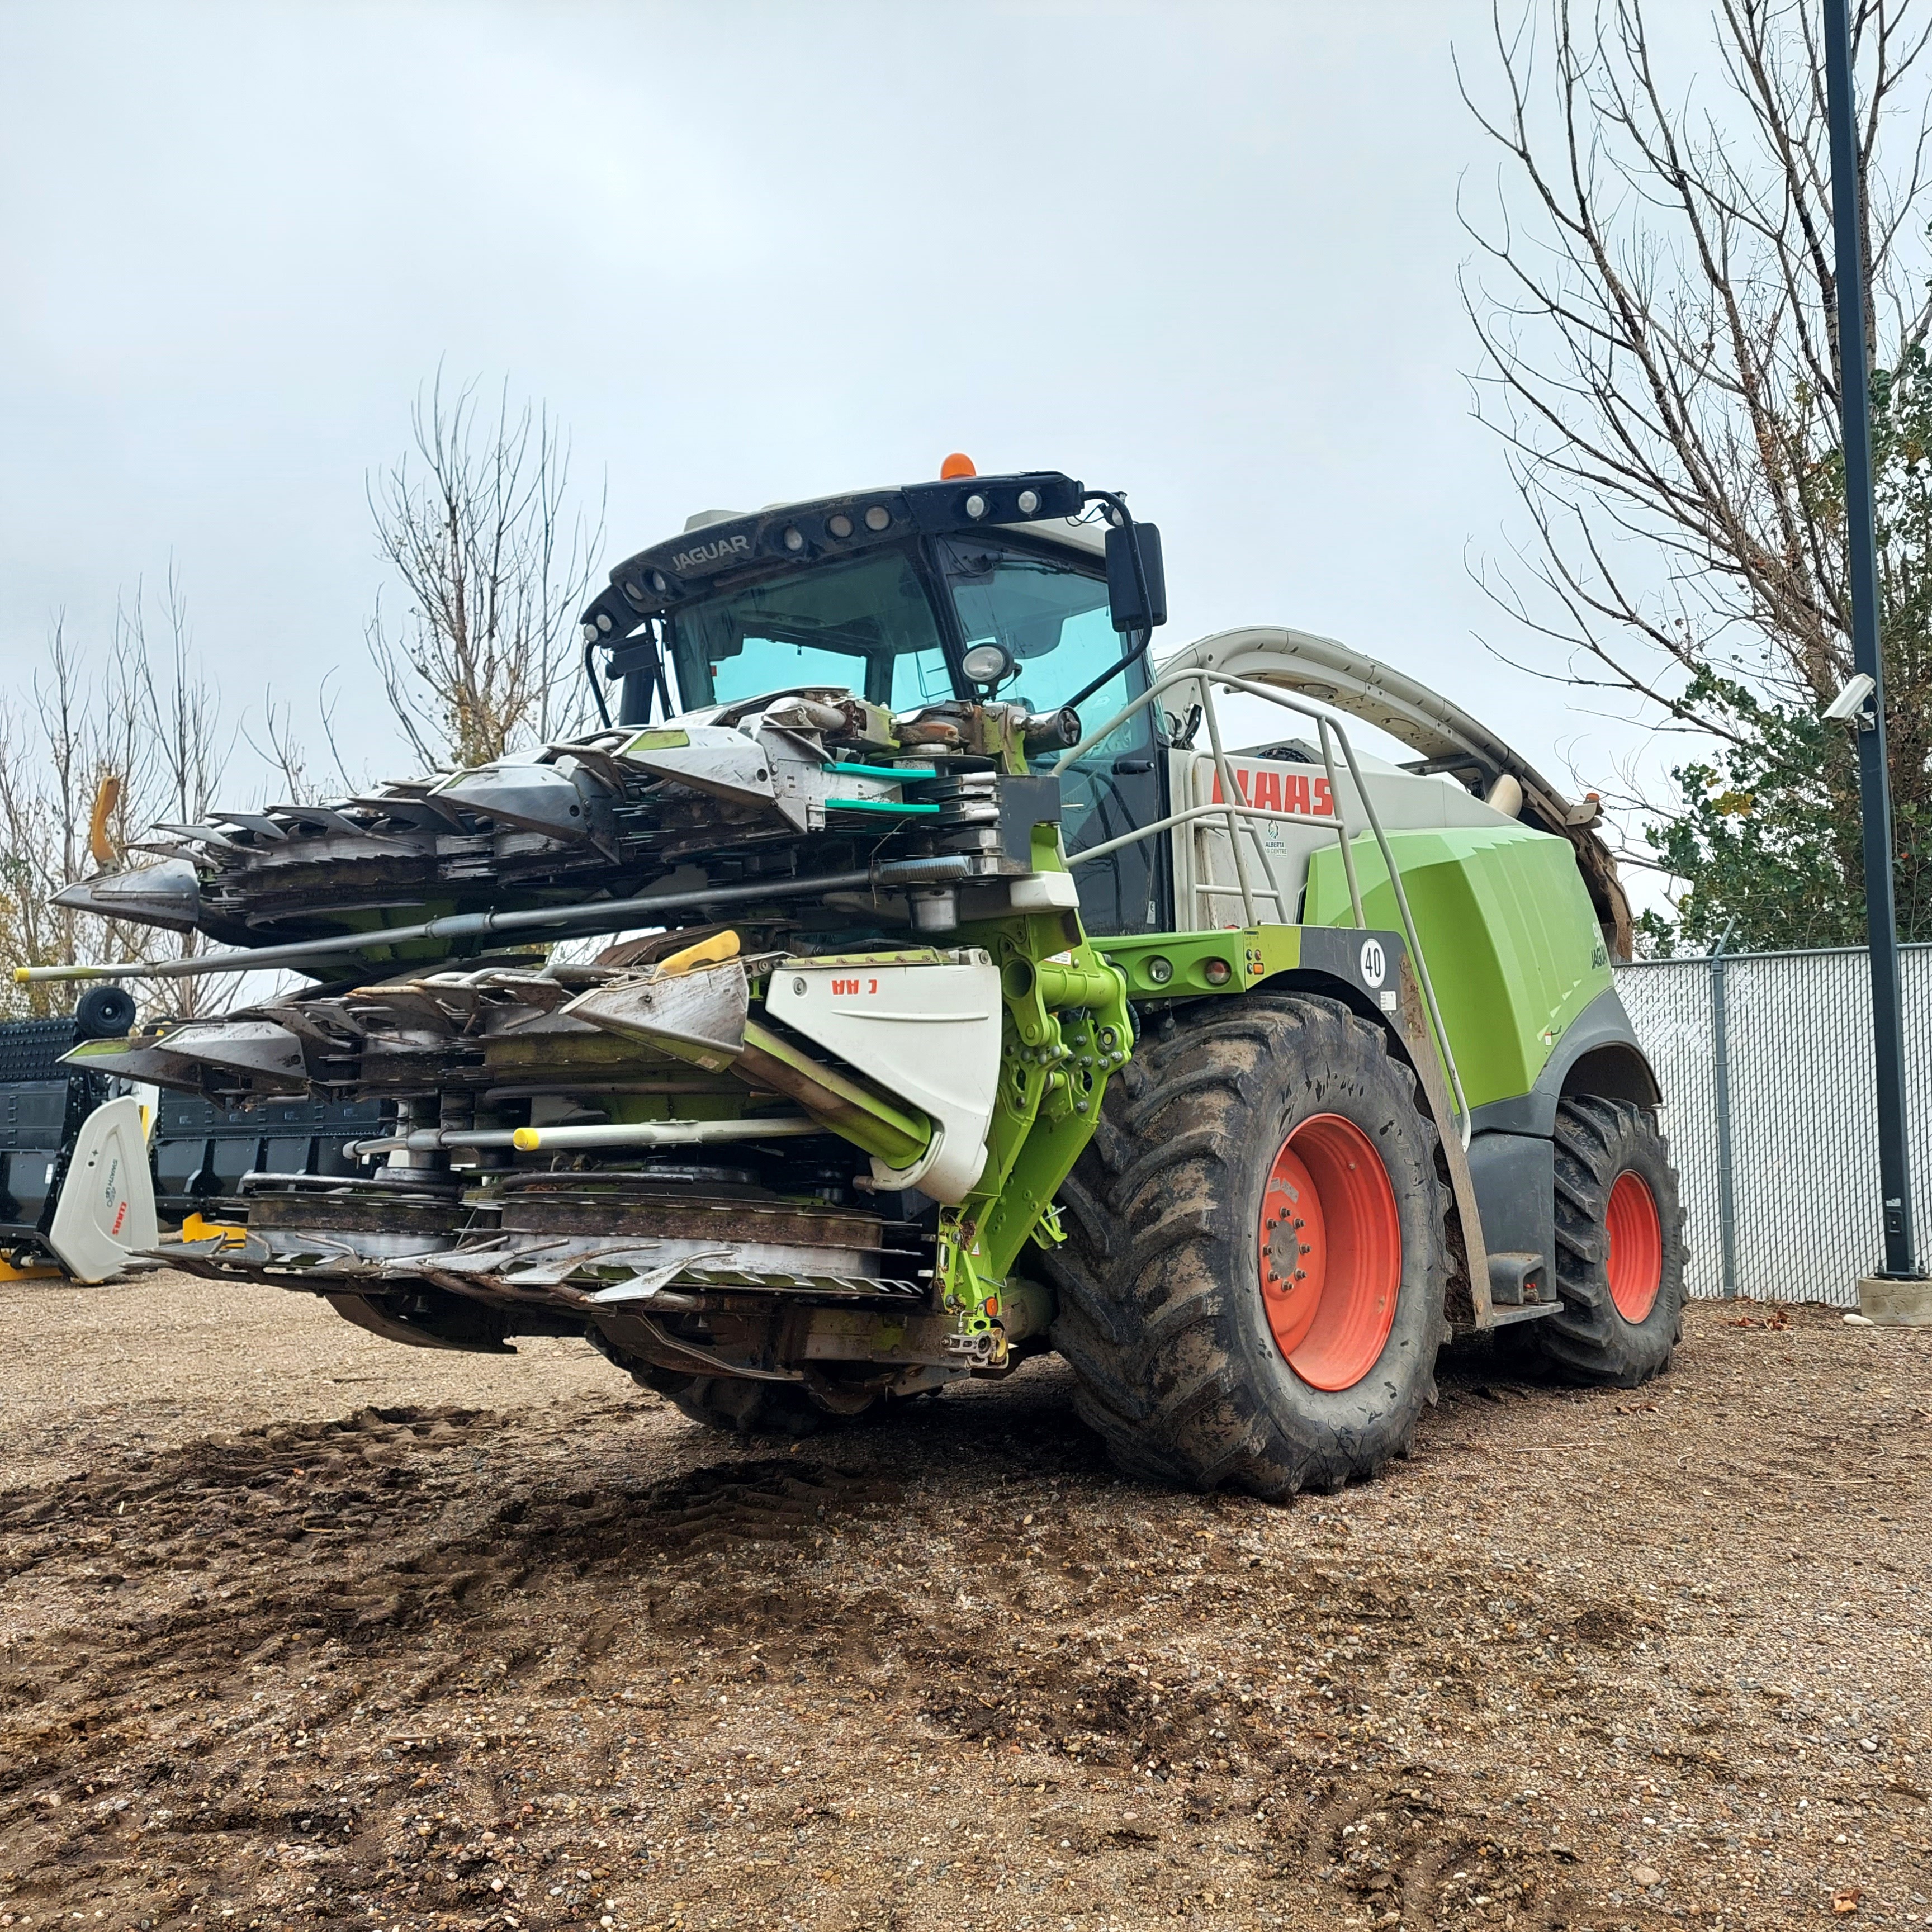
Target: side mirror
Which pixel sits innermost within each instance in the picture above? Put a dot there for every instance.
(1136, 582)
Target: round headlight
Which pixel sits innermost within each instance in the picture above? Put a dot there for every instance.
(877, 517)
(1029, 502)
(975, 506)
(840, 526)
(1159, 970)
(794, 539)
(987, 663)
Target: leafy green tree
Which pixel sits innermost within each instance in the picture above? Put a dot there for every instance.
(1765, 838)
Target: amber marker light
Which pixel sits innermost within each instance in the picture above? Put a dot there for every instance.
(956, 465)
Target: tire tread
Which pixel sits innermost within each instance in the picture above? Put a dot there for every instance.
(1143, 1278)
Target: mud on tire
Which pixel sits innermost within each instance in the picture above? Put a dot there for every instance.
(1611, 1160)
(1162, 1313)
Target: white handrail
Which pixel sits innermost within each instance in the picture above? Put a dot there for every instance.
(1204, 680)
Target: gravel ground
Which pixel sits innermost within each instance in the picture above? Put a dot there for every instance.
(298, 1628)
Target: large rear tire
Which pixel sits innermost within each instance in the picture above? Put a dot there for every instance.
(1252, 1290)
(1620, 1250)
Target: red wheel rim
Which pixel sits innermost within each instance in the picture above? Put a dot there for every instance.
(1330, 1245)
(1636, 1264)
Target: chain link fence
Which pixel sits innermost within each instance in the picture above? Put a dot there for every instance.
(1766, 1063)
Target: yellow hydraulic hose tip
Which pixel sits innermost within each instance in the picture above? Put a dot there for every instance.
(20, 976)
(720, 946)
(526, 1140)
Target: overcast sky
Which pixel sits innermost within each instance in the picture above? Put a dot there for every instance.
(1205, 253)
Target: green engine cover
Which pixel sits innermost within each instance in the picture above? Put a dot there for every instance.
(1511, 940)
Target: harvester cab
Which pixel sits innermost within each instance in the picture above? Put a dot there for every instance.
(969, 591)
(980, 999)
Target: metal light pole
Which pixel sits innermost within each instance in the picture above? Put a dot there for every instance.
(1894, 1159)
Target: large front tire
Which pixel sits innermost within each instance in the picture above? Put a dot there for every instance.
(1252, 1291)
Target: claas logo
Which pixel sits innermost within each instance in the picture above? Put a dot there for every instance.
(1267, 789)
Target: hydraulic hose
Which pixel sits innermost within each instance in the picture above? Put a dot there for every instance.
(568, 921)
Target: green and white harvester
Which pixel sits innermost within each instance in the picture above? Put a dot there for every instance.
(987, 1002)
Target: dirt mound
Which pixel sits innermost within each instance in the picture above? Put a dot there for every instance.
(555, 1657)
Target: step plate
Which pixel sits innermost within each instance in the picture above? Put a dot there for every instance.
(1503, 1314)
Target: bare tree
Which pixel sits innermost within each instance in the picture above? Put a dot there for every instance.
(46, 766)
(283, 752)
(88, 766)
(1655, 296)
(174, 749)
(494, 564)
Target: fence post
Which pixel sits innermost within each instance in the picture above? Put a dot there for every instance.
(1727, 1211)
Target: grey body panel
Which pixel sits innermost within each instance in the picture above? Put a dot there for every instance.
(1515, 1179)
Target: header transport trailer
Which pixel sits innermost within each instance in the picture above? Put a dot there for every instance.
(64, 1211)
(991, 1002)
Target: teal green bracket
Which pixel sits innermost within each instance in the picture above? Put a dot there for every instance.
(893, 774)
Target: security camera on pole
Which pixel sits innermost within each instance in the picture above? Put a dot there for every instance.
(1897, 1291)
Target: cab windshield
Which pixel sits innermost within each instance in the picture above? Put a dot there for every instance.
(893, 626)
(870, 625)
(866, 626)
